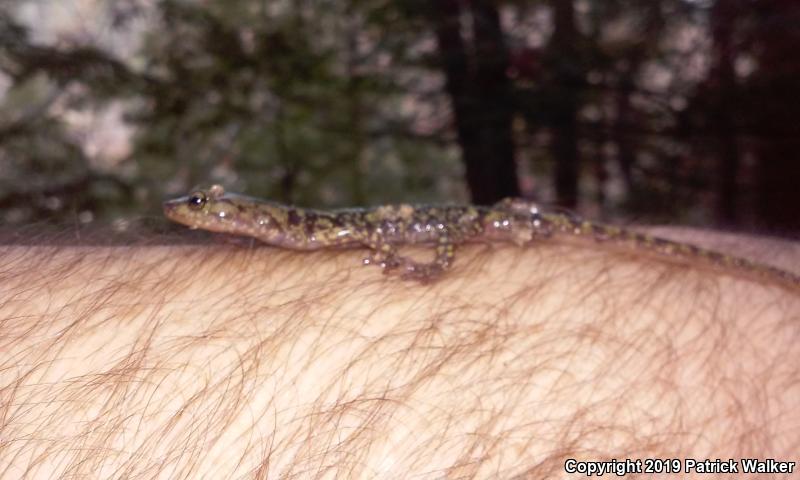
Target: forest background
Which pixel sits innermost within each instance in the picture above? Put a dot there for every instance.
(655, 111)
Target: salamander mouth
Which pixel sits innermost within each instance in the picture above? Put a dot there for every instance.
(171, 208)
(180, 211)
(177, 211)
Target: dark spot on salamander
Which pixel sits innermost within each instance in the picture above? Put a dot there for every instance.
(600, 232)
(295, 218)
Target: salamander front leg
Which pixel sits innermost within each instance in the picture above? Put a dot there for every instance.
(428, 272)
(383, 255)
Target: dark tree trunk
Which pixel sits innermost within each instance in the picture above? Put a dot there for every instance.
(723, 78)
(775, 109)
(565, 112)
(495, 109)
(481, 96)
(622, 131)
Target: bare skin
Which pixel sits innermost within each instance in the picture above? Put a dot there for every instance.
(384, 230)
(210, 361)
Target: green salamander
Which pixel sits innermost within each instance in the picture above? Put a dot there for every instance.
(383, 230)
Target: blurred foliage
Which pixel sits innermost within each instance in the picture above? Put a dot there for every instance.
(291, 99)
(661, 109)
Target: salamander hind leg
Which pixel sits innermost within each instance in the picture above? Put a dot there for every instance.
(528, 219)
(518, 205)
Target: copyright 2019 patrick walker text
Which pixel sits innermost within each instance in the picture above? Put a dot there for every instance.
(624, 467)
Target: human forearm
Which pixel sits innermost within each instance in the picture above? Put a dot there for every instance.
(177, 361)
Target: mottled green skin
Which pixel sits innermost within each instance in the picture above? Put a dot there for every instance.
(384, 229)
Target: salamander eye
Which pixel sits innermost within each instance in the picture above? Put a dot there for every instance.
(197, 200)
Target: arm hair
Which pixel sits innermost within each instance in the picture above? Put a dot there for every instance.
(186, 361)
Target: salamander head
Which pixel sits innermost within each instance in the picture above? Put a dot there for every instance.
(214, 210)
